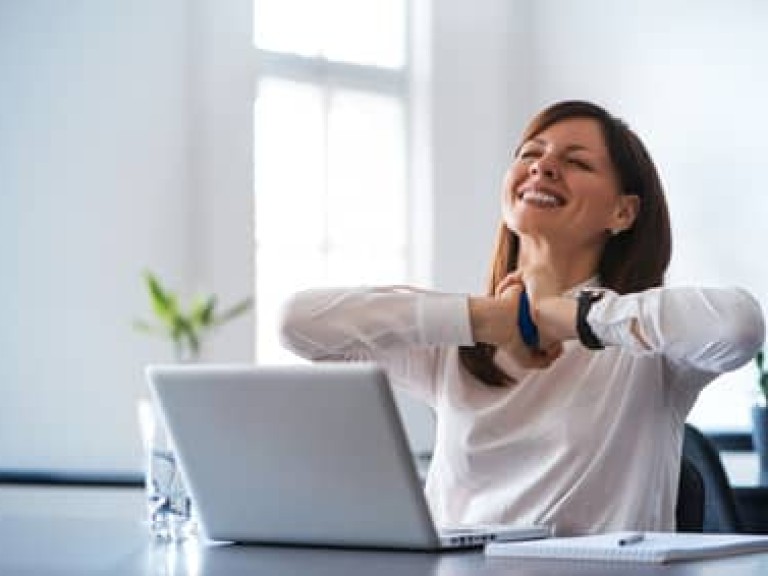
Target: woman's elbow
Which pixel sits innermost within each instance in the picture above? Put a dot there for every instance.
(745, 330)
(292, 326)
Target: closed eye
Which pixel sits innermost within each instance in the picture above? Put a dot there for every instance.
(527, 154)
(580, 164)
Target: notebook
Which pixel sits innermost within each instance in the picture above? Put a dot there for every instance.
(306, 454)
(655, 547)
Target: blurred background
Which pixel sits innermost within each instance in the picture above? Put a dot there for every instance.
(256, 147)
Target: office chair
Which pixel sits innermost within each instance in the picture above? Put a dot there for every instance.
(689, 512)
(705, 500)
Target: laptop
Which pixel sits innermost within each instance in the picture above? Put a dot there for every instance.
(304, 455)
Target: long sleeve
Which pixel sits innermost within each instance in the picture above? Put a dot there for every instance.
(399, 328)
(710, 330)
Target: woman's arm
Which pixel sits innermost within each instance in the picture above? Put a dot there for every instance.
(710, 329)
(344, 323)
(402, 329)
(398, 328)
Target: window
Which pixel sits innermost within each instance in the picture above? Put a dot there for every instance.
(724, 405)
(330, 129)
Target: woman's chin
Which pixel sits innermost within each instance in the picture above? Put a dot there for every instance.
(535, 227)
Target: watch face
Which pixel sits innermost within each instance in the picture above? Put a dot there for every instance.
(583, 329)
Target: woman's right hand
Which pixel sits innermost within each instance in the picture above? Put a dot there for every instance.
(509, 291)
(495, 321)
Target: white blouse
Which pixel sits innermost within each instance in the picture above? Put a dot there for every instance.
(590, 444)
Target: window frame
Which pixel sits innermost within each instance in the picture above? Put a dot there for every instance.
(328, 76)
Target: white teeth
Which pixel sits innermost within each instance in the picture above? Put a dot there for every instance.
(542, 198)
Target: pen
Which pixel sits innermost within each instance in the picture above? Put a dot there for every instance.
(632, 538)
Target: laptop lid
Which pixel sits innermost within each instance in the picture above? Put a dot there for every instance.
(306, 454)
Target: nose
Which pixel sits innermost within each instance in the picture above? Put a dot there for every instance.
(543, 167)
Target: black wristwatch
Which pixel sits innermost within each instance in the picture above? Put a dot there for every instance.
(584, 303)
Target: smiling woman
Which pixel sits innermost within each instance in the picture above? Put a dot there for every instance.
(604, 212)
(593, 409)
(566, 170)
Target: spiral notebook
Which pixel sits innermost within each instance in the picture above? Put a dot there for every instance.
(650, 547)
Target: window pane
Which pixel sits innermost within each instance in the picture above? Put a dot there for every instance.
(725, 403)
(293, 26)
(281, 271)
(289, 161)
(368, 32)
(366, 171)
(284, 270)
(361, 265)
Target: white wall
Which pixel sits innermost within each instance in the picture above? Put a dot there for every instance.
(221, 91)
(97, 182)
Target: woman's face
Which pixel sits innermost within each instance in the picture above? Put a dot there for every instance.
(562, 186)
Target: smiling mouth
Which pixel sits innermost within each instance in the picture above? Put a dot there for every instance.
(541, 198)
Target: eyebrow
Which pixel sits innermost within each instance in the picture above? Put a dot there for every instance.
(569, 148)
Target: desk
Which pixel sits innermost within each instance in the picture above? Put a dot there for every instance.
(91, 542)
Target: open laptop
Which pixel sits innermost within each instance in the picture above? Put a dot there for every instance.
(306, 454)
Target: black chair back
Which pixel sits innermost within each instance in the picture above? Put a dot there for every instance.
(690, 499)
(718, 511)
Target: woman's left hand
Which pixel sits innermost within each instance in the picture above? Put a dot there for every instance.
(549, 349)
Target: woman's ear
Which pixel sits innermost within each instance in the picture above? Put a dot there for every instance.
(627, 208)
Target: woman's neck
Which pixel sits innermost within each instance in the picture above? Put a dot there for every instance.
(572, 265)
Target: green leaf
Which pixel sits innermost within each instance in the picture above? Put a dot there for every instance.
(185, 328)
(233, 312)
(201, 314)
(188, 332)
(164, 303)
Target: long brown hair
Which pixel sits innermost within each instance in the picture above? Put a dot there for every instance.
(632, 261)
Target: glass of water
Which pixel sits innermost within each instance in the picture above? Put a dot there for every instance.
(169, 507)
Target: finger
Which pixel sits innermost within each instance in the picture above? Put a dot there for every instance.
(535, 362)
(555, 349)
(512, 292)
(552, 350)
(541, 359)
(512, 279)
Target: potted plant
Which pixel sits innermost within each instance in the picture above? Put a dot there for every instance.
(760, 418)
(185, 327)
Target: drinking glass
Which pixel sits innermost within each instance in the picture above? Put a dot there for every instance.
(169, 506)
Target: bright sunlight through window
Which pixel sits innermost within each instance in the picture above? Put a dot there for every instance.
(330, 151)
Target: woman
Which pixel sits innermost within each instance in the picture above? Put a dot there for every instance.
(561, 395)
